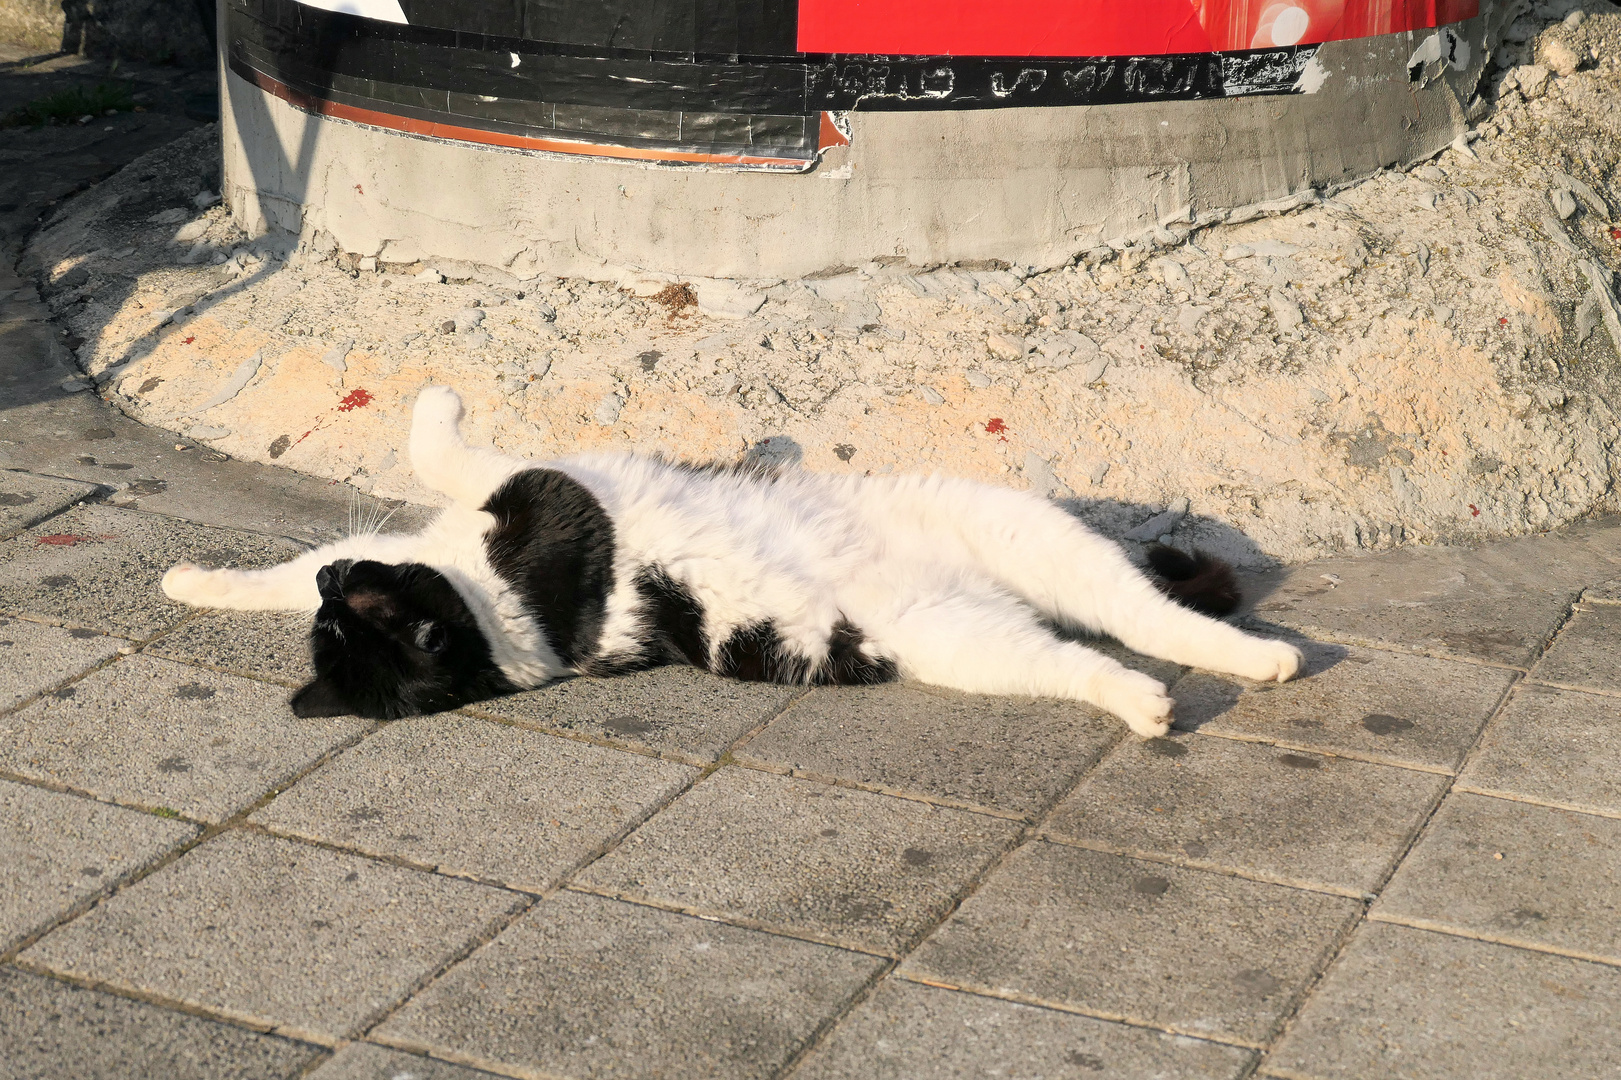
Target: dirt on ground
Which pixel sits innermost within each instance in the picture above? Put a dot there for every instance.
(1432, 354)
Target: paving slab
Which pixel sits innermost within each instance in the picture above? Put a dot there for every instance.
(1555, 746)
(59, 850)
(1195, 952)
(583, 986)
(1587, 652)
(676, 710)
(367, 1061)
(1016, 755)
(26, 498)
(1514, 872)
(906, 1031)
(471, 797)
(34, 658)
(166, 736)
(1306, 819)
(51, 1031)
(1368, 703)
(275, 932)
(837, 865)
(99, 567)
(273, 645)
(1500, 603)
(1406, 1004)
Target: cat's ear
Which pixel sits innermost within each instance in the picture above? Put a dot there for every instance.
(320, 698)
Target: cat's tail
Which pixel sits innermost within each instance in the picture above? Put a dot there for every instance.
(1199, 581)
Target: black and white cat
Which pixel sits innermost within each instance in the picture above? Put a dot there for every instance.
(606, 563)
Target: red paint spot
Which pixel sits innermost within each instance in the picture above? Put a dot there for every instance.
(1502, 322)
(360, 189)
(359, 399)
(66, 539)
(1474, 511)
(995, 426)
(189, 340)
(1615, 234)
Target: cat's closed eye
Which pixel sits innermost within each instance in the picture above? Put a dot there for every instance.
(431, 637)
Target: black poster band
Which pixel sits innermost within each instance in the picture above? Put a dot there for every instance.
(749, 110)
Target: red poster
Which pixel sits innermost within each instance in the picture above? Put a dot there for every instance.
(1103, 27)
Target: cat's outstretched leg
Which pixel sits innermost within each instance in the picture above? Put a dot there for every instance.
(443, 461)
(990, 643)
(289, 586)
(1078, 578)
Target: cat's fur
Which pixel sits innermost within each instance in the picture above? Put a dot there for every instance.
(605, 563)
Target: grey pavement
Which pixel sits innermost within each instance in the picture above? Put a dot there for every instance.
(1402, 865)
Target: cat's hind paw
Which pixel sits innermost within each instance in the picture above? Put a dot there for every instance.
(1271, 661)
(1140, 701)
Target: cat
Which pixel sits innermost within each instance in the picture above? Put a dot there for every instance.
(605, 563)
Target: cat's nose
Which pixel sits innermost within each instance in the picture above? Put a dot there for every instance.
(329, 579)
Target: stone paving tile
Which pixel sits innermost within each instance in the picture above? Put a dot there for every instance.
(1554, 746)
(1368, 703)
(1011, 754)
(1587, 652)
(843, 866)
(472, 797)
(366, 1061)
(276, 932)
(34, 658)
(1405, 1004)
(1499, 603)
(163, 735)
(1298, 818)
(1200, 953)
(52, 1031)
(907, 1031)
(26, 498)
(272, 645)
(582, 986)
(99, 567)
(670, 710)
(1607, 593)
(56, 850)
(1514, 872)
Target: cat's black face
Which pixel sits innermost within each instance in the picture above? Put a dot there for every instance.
(392, 641)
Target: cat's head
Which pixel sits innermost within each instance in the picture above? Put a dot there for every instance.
(392, 641)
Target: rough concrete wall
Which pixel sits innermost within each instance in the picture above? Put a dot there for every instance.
(1027, 186)
(34, 23)
(156, 31)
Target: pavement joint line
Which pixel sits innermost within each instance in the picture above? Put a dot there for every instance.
(245, 1021)
(206, 832)
(1515, 797)
(1448, 929)
(1290, 1074)
(673, 756)
(1218, 869)
(54, 688)
(437, 1053)
(1286, 1021)
(831, 1022)
(46, 784)
(1363, 757)
(1596, 691)
(709, 915)
(876, 789)
(1075, 1010)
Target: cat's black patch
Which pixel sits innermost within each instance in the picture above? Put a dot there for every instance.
(554, 544)
(673, 620)
(1199, 581)
(392, 641)
(757, 653)
(847, 665)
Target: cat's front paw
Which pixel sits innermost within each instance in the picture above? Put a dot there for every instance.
(188, 584)
(1270, 661)
(437, 405)
(1140, 701)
